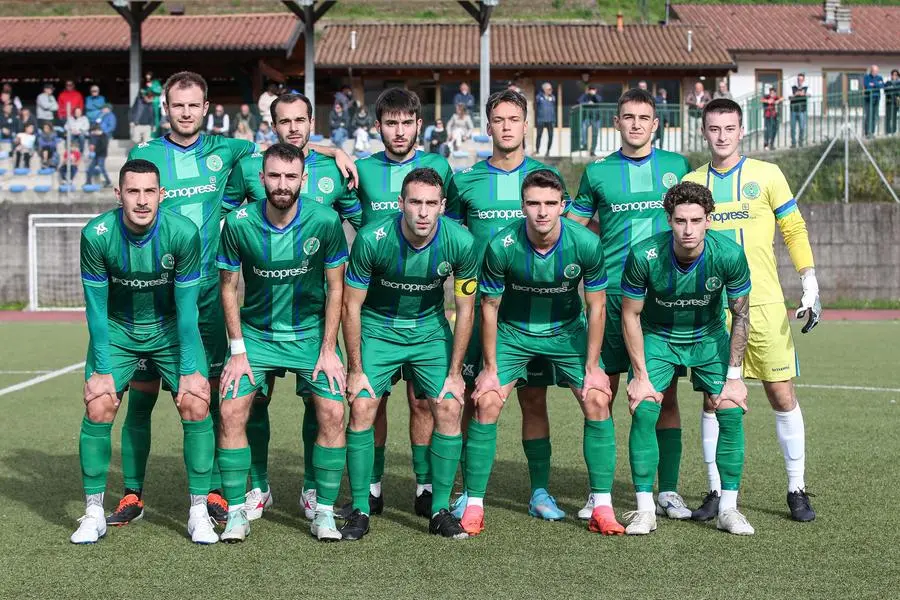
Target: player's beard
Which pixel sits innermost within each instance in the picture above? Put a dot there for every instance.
(192, 131)
(508, 146)
(403, 151)
(279, 202)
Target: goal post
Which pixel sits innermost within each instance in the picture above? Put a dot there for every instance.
(54, 270)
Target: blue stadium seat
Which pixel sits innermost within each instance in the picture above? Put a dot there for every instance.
(4, 154)
(484, 153)
(46, 171)
(42, 189)
(316, 138)
(17, 188)
(481, 139)
(21, 171)
(2, 171)
(460, 154)
(67, 188)
(90, 187)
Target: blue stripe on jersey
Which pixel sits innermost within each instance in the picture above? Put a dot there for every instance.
(634, 291)
(700, 287)
(595, 284)
(490, 288)
(187, 278)
(227, 261)
(352, 276)
(92, 277)
(786, 209)
(352, 210)
(235, 203)
(333, 261)
(694, 264)
(738, 290)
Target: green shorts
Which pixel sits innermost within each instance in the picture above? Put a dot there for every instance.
(564, 353)
(297, 356)
(613, 352)
(129, 353)
(540, 372)
(212, 333)
(302, 389)
(708, 360)
(423, 358)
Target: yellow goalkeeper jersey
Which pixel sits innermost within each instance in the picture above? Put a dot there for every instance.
(751, 198)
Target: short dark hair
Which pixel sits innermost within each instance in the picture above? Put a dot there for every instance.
(506, 95)
(137, 165)
(290, 99)
(184, 79)
(287, 152)
(543, 178)
(722, 106)
(636, 95)
(425, 175)
(398, 100)
(688, 192)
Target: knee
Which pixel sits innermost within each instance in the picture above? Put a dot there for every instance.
(234, 412)
(420, 410)
(782, 398)
(362, 413)
(447, 412)
(596, 405)
(330, 414)
(488, 407)
(193, 409)
(102, 409)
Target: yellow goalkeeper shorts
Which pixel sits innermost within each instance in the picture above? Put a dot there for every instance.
(770, 350)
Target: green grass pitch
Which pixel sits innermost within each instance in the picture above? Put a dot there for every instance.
(850, 551)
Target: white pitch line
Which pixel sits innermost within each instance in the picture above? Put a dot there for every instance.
(40, 379)
(852, 388)
(24, 372)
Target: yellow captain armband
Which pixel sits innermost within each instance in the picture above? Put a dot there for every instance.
(465, 287)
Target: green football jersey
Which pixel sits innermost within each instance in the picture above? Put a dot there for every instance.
(627, 196)
(685, 304)
(141, 271)
(543, 296)
(284, 269)
(406, 285)
(194, 178)
(380, 180)
(324, 184)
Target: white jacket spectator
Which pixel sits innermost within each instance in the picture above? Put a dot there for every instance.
(265, 102)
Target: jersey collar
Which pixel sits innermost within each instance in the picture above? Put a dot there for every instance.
(399, 226)
(139, 240)
(694, 264)
(287, 227)
(181, 148)
(736, 167)
(492, 168)
(562, 231)
(636, 161)
(405, 162)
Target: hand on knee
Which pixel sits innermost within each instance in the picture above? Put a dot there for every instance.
(362, 414)
(102, 409)
(488, 407)
(193, 408)
(596, 405)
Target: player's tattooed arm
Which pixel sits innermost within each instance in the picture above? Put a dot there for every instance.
(740, 328)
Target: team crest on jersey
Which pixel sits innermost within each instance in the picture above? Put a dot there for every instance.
(508, 241)
(572, 271)
(311, 246)
(444, 269)
(380, 234)
(326, 185)
(100, 228)
(669, 179)
(214, 163)
(167, 261)
(651, 253)
(713, 283)
(241, 213)
(751, 190)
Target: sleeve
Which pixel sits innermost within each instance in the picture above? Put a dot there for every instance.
(349, 208)
(446, 174)
(95, 282)
(187, 291)
(635, 277)
(584, 204)
(241, 148)
(738, 283)
(595, 279)
(790, 221)
(235, 189)
(493, 271)
(465, 270)
(566, 196)
(228, 257)
(335, 245)
(454, 208)
(359, 270)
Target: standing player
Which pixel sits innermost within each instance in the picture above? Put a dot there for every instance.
(288, 251)
(140, 268)
(539, 263)
(672, 317)
(486, 198)
(394, 317)
(625, 190)
(751, 196)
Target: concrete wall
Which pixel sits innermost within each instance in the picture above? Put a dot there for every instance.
(857, 249)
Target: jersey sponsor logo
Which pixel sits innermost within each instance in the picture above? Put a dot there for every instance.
(562, 289)
(465, 287)
(214, 162)
(734, 215)
(777, 369)
(713, 283)
(380, 234)
(572, 271)
(651, 253)
(444, 269)
(411, 287)
(326, 185)
(386, 205)
(190, 192)
(508, 241)
(685, 302)
(669, 179)
(167, 261)
(139, 284)
(467, 170)
(143, 144)
(282, 273)
(638, 206)
(500, 214)
(100, 228)
(311, 246)
(751, 190)
(241, 214)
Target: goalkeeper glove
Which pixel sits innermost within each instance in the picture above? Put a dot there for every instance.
(809, 303)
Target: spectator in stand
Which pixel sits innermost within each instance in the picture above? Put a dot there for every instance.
(93, 104)
(245, 116)
(78, 126)
(590, 118)
(873, 83)
(799, 93)
(48, 145)
(545, 116)
(459, 127)
(265, 136)
(46, 106)
(338, 124)
(892, 102)
(437, 143)
(9, 124)
(265, 102)
(362, 125)
(770, 104)
(154, 87)
(24, 146)
(99, 147)
(69, 99)
(217, 123)
(695, 101)
(7, 97)
(25, 119)
(347, 102)
(107, 120)
(642, 85)
(464, 96)
(723, 91)
(68, 166)
(663, 113)
(242, 132)
(141, 117)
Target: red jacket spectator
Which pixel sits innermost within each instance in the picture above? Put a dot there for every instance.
(69, 96)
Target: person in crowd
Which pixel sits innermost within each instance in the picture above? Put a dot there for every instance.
(265, 136)
(464, 96)
(663, 111)
(99, 146)
(590, 119)
(78, 127)
(141, 117)
(68, 166)
(242, 132)
(7, 97)
(107, 120)
(153, 86)
(24, 147)
(218, 122)
(46, 105)
(873, 83)
(47, 144)
(265, 102)
(9, 123)
(347, 101)
(460, 127)
(545, 116)
(245, 116)
(722, 91)
(362, 124)
(437, 143)
(891, 102)
(69, 99)
(799, 92)
(93, 104)
(696, 100)
(338, 122)
(771, 102)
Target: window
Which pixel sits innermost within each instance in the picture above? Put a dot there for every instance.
(843, 87)
(768, 78)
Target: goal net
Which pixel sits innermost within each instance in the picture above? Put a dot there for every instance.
(54, 270)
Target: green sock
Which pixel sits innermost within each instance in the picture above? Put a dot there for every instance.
(538, 452)
(600, 454)
(199, 452)
(329, 466)
(95, 450)
(258, 438)
(643, 451)
(309, 432)
(235, 465)
(445, 453)
(481, 446)
(421, 463)
(136, 438)
(360, 454)
(730, 449)
(215, 478)
(669, 441)
(378, 467)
